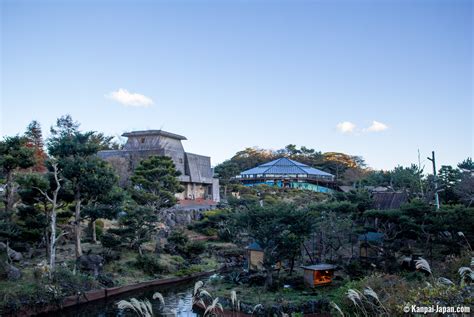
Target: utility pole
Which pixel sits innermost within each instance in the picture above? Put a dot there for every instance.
(435, 179)
(419, 174)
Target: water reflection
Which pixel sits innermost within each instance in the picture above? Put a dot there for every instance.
(178, 302)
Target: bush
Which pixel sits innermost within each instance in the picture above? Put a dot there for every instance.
(189, 270)
(195, 248)
(150, 264)
(178, 237)
(110, 240)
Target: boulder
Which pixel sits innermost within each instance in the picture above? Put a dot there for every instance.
(91, 263)
(13, 273)
(12, 254)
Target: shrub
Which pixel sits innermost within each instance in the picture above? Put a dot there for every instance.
(150, 264)
(195, 248)
(178, 237)
(189, 270)
(110, 240)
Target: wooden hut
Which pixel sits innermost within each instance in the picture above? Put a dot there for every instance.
(318, 274)
(254, 256)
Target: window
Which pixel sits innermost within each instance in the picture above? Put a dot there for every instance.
(142, 140)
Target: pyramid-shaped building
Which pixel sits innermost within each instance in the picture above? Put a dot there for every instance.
(286, 173)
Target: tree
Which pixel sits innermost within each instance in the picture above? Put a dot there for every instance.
(448, 178)
(155, 183)
(467, 165)
(106, 205)
(14, 155)
(54, 203)
(279, 230)
(406, 178)
(35, 140)
(89, 176)
(464, 189)
(225, 171)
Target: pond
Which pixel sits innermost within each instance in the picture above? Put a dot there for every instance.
(178, 302)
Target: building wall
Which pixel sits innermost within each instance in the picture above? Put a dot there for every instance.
(255, 260)
(197, 174)
(166, 146)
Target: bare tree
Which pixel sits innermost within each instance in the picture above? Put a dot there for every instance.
(54, 202)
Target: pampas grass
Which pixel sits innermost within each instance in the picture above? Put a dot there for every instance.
(467, 275)
(422, 264)
(445, 281)
(141, 307)
(337, 308)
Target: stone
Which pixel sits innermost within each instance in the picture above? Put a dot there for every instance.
(91, 263)
(13, 273)
(12, 254)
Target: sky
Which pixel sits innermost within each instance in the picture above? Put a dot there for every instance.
(380, 79)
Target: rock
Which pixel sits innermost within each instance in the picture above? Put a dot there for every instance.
(12, 254)
(13, 273)
(91, 263)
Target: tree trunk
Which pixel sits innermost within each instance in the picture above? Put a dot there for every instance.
(52, 243)
(269, 278)
(9, 199)
(94, 233)
(77, 226)
(292, 265)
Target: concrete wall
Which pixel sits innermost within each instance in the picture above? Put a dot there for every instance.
(197, 174)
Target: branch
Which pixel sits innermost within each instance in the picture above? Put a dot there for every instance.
(58, 237)
(44, 194)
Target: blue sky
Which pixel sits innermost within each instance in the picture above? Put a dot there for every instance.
(235, 74)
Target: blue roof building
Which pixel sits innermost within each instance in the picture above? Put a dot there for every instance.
(286, 173)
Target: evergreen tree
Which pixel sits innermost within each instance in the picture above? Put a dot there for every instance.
(14, 155)
(35, 140)
(155, 183)
(89, 176)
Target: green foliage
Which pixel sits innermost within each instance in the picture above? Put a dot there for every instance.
(195, 248)
(150, 264)
(110, 240)
(14, 153)
(178, 237)
(215, 222)
(279, 230)
(190, 270)
(155, 183)
(137, 225)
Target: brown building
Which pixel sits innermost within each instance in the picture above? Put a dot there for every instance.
(196, 172)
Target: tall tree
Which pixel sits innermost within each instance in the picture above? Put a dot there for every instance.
(448, 178)
(88, 175)
(155, 183)
(279, 230)
(14, 155)
(35, 140)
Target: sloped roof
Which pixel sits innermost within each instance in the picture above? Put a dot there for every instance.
(320, 267)
(154, 132)
(285, 166)
(371, 237)
(389, 200)
(254, 246)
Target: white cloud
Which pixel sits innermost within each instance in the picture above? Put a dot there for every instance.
(377, 127)
(346, 127)
(127, 98)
